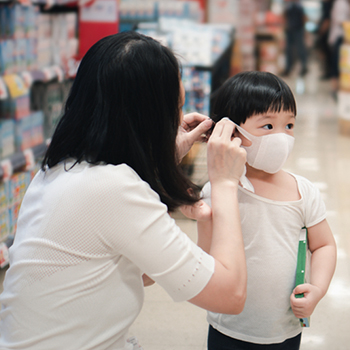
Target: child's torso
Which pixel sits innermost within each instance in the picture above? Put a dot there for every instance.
(271, 232)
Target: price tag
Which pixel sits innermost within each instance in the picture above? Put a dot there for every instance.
(59, 73)
(27, 79)
(7, 168)
(4, 255)
(49, 74)
(3, 90)
(30, 159)
(100, 11)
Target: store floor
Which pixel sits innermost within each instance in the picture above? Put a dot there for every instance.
(321, 155)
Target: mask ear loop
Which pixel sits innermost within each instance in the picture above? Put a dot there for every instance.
(245, 134)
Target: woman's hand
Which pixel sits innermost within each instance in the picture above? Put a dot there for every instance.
(226, 159)
(199, 211)
(193, 128)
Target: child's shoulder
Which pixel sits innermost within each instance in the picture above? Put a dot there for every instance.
(304, 185)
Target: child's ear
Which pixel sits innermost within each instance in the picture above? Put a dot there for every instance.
(245, 141)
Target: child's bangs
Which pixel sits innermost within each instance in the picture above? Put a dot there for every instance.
(284, 102)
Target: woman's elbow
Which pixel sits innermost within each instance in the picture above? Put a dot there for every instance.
(236, 305)
(232, 303)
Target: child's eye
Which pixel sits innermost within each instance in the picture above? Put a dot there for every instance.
(268, 126)
(290, 126)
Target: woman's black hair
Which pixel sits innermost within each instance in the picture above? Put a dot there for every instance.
(250, 93)
(124, 107)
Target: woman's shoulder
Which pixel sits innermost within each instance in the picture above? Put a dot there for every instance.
(122, 172)
(96, 180)
(115, 177)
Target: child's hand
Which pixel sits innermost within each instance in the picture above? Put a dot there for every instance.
(304, 307)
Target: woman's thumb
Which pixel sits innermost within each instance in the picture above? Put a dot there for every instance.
(197, 132)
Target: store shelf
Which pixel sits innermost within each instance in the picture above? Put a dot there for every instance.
(21, 160)
(220, 69)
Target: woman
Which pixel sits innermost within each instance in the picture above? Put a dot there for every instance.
(95, 218)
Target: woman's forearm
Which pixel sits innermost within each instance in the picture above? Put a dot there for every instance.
(227, 245)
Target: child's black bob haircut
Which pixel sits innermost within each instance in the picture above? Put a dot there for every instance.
(250, 93)
(124, 107)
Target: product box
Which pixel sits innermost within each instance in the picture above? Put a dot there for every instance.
(346, 28)
(13, 216)
(18, 19)
(52, 105)
(344, 112)
(37, 128)
(7, 138)
(4, 255)
(344, 60)
(344, 81)
(268, 50)
(4, 188)
(17, 187)
(23, 129)
(4, 225)
(8, 56)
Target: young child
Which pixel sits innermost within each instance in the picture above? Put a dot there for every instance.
(274, 206)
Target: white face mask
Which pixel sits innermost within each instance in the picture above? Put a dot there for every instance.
(269, 152)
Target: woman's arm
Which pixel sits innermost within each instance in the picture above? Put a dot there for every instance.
(323, 261)
(226, 290)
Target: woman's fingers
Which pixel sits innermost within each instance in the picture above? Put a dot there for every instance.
(226, 159)
(199, 211)
(193, 119)
(224, 128)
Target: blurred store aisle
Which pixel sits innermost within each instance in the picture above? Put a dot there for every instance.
(321, 155)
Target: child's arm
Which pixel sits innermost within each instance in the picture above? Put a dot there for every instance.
(323, 261)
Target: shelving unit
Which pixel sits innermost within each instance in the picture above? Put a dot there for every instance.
(34, 83)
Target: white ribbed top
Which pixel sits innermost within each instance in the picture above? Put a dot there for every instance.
(84, 238)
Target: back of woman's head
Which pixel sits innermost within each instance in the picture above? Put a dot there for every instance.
(124, 107)
(250, 93)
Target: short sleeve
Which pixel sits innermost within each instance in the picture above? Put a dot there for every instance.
(206, 193)
(315, 208)
(141, 230)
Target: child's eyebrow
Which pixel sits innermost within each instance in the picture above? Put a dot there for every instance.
(270, 116)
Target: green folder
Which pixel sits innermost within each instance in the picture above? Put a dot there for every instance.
(302, 265)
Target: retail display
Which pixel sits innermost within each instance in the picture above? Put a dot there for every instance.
(37, 58)
(241, 15)
(133, 12)
(40, 48)
(204, 51)
(270, 42)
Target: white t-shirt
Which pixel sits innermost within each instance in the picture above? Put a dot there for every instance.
(271, 232)
(84, 238)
